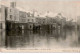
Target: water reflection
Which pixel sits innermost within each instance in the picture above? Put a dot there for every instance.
(43, 39)
(2, 38)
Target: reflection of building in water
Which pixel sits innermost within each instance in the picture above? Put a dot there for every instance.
(17, 41)
(39, 38)
(2, 38)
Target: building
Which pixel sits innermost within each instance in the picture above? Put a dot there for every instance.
(16, 15)
(0, 18)
(13, 13)
(41, 20)
(26, 21)
(52, 23)
(47, 23)
(12, 16)
(31, 22)
(22, 17)
(3, 17)
(63, 22)
(78, 20)
(60, 21)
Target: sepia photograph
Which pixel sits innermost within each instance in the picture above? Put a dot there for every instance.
(39, 26)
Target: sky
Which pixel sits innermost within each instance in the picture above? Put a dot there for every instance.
(69, 9)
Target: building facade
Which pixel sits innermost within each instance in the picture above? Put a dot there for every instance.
(3, 16)
(22, 17)
(12, 17)
(13, 14)
(31, 22)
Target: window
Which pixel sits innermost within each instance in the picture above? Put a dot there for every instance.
(11, 17)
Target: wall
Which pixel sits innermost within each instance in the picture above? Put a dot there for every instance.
(3, 22)
(22, 17)
(3, 16)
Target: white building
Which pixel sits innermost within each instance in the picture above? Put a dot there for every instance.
(0, 18)
(13, 13)
(3, 16)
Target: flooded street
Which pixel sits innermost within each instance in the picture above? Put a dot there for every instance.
(42, 39)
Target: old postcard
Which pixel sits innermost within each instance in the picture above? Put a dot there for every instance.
(39, 26)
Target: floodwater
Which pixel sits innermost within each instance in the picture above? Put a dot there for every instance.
(42, 39)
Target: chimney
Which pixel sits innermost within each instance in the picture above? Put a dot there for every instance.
(13, 4)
